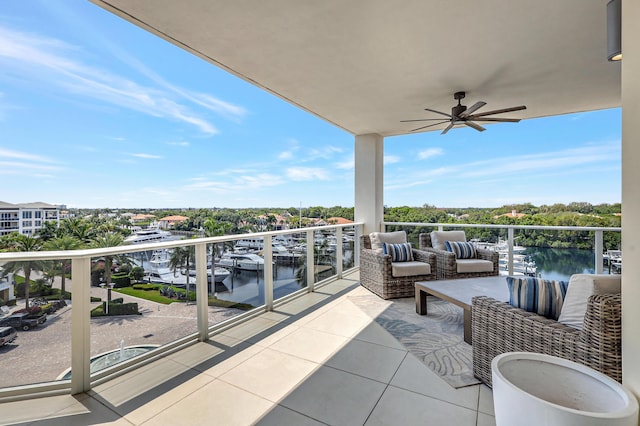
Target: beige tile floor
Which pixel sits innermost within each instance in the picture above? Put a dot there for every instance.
(317, 360)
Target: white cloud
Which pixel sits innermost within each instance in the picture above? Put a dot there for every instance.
(391, 159)
(238, 184)
(431, 152)
(148, 156)
(181, 143)
(306, 173)
(50, 61)
(6, 153)
(285, 155)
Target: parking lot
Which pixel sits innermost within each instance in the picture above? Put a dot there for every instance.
(43, 353)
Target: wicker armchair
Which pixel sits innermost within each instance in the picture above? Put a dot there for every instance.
(376, 272)
(447, 262)
(498, 327)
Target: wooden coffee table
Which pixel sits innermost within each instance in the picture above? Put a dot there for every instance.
(460, 292)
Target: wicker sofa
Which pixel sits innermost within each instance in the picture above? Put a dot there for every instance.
(376, 272)
(446, 261)
(498, 327)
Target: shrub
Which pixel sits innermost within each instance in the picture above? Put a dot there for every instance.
(145, 287)
(121, 280)
(137, 272)
(1, 301)
(33, 310)
(11, 302)
(124, 269)
(116, 309)
(96, 299)
(117, 300)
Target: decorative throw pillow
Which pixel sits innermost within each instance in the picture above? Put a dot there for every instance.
(439, 237)
(377, 238)
(581, 287)
(398, 252)
(460, 249)
(543, 297)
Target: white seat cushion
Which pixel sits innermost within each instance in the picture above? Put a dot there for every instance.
(581, 287)
(464, 266)
(409, 269)
(377, 238)
(439, 237)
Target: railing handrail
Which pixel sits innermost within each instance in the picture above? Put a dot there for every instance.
(497, 226)
(108, 251)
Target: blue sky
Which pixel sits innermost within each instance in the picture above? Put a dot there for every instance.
(95, 112)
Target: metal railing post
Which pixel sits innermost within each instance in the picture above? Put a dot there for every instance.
(81, 326)
(598, 247)
(267, 253)
(311, 276)
(510, 245)
(339, 253)
(202, 295)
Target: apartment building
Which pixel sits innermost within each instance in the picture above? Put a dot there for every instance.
(26, 218)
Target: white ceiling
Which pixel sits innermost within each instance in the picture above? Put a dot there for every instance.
(364, 65)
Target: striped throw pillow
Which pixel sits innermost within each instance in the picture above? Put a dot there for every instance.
(398, 252)
(461, 249)
(543, 297)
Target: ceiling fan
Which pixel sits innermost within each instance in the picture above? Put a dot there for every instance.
(460, 114)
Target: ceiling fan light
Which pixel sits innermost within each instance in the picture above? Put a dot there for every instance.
(614, 30)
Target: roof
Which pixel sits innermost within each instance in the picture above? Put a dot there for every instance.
(175, 218)
(338, 221)
(34, 205)
(365, 65)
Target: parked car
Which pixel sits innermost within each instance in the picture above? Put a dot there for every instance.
(22, 321)
(7, 335)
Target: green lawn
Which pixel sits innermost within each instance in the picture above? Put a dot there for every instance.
(155, 296)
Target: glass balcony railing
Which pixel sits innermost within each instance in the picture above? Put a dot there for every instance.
(184, 291)
(552, 252)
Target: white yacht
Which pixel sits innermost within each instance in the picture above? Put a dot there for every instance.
(152, 235)
(244, 261)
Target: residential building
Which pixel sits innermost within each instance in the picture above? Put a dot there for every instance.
(26, 218)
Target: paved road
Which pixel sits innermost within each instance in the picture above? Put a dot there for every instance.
(43, 353)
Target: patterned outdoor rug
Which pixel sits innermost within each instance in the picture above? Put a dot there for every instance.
(436, 339)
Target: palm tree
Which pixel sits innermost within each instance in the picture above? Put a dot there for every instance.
(66, 242)
(109, 239)
(24, 243)
(181, 257)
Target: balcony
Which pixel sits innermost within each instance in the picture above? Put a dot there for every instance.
(310, 355)
(315, 359)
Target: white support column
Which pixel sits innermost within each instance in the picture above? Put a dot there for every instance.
(339, 252)
(630, 195)
(311, 264)
(369, 167)
(81, 326)
(202, 295)
(267, 253)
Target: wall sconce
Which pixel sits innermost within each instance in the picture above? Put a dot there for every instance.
(614, 30)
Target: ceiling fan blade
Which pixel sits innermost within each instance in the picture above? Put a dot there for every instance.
(500, 120)
(500, 111)
(438, 112)
(449, 127)
(472, 109)
(424, 119)
(475, 126)
(430, 125)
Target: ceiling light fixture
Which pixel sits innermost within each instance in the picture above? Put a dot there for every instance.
(614, 30)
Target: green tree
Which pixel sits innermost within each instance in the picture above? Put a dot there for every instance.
(65, 242)
(109, 239)
(24, 243)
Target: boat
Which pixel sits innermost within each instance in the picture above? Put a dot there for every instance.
(159, 271)
(220, 274)
(243, 261)
(151, 235)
